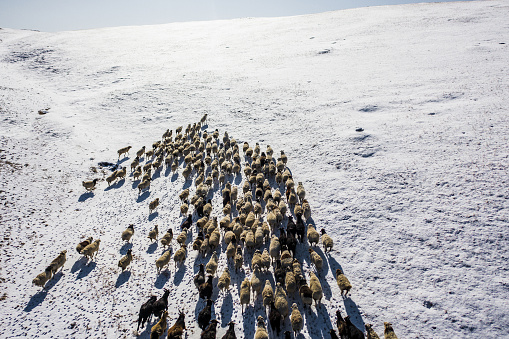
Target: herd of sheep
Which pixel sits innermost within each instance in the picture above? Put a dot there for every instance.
(269, 197)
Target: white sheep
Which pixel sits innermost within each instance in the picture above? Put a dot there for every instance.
(274, 248)
(223, 283)
(84, 244)
(316, 287)
(90, 185)
(125, 260)
(123, 150)
(245, 293)
(265, 261)
(316, 259)
(211, 266)
(152, 235)
(256, 283)
(343, 282)
(128, 233)
(313, 235)
(267, 294)
(43, 278)
(261, 331)
(327, 241)
(162, 261)
(281, 302)
(180, 255)
(58, 262)
(153, 205)
(290, 282)
(296, 319)
(91, 250)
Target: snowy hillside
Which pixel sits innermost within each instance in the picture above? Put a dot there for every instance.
(393, 118)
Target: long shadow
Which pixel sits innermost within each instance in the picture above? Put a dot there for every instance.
(85, 196)
(125, 247)
(226, 309)
(249, 323)
(353, 311)
(238, 179)
(152, 248)
(174, 176)
(143, 196)
(162, 278)
(85, 270)
(123, 278)
(187, 184)
(333, 265)
(135, 183)
(325, 321)
(78, 264)
(323, 274)
(179, 274)
(167, 171)
(35, 300)
(120, 161)
(152, 216)
(156, 174)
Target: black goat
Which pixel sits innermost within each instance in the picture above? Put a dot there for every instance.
(205, 315)
(188, 222)
(230, 333)
(199, 278)
(146, 312)
(176, 331)
(161, 304)
(301, 228)
(210, 331)
(275, 318)
(353, 331)
(206, 289)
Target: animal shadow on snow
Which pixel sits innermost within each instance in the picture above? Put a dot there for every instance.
(152, 216)
(118, 184)
(179, 274)
(85, 270)
(135, 183)
(167, 171)
(123, 278)
(85, 196)
(174, 176)
(162, 278)
(78, 264)
(353, 311)
(249, 323)
(226, 309)
(143, 197)
(125, 247)
(39, 297)
(152, 248)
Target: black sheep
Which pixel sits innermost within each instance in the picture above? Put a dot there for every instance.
(206, 289)
(188, 222)
(341, 325)
(279, 273)
(275, 318)
(301, 228)
(210, 331)
(282, 237)
(200, 277)
(146, 312)
(205, 315)
(291, 228)
(230, 333)
(288, 335)
(291, 243)
(353, 331)
(199, 210)
(333, 334)
(161, 304)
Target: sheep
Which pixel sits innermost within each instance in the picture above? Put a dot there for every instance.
(91, 250)
(230, 333)
(125, 260)
(206, 289)
(111, 178)
(199, 278)
(182, 237)
(223, 283)
(316, 287)
(225, 222)
(152, 235)
(145, 312)
(204, 248)
(296, 319)
(297, 270)
(90, 185)
(174, 165)
(143, 185)
(245, 293)
(275, 318)
(211, 266)
(300, 229)
(180, 255)
(306, 209)
(137, 173)
(205, 315)
(153, 205)
(389, 331)
(256, 283)
(161, 304)
(333, 334)
(259, 236)
(123, 150)
(313, 235)
(121, 173)
(250, 240)
(286, 259)
(261, 331)
(281, 301)
(353, 331)
(291, 197)
(128, 233)
(43, 278)
(290, 282)
(267, 294)
(227, 209)
(370, 333)
(271, 219)
(327, 241)
(265, 260)
(162, 261)
(306, 295)
(211, 330)
(83, 244)
(279, 273)
(301, 192)
(284, 158)
(176, 331)
(140, 152)
(279, 177)
(149, 153)
(343, 283)
(167, 238)
(316, 259)
(238, 259)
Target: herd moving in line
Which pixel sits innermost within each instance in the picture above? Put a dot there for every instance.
(260, 222)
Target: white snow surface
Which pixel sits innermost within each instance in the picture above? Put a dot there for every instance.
(417, 203)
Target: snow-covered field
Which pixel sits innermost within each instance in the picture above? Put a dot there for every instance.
(417, 203)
